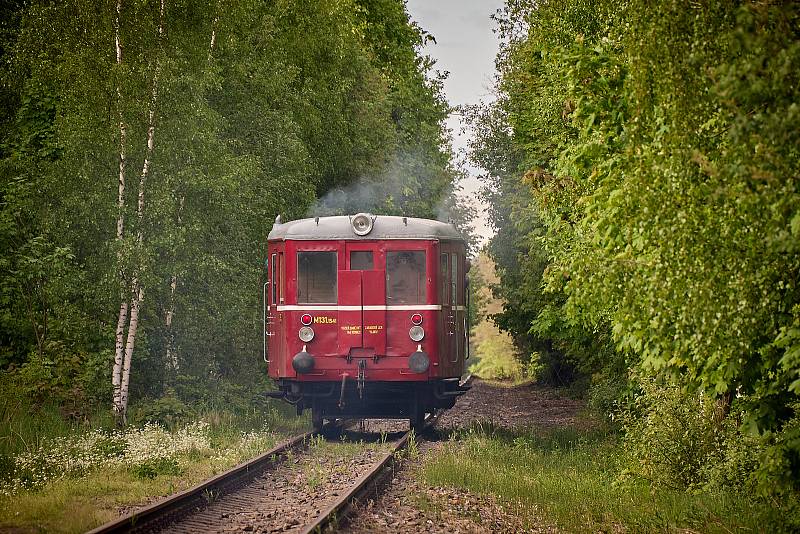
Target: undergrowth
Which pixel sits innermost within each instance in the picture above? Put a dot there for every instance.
(571, 478)
(67, 476)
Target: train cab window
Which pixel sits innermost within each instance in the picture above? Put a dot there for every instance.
(316, 277)
(361, 260)
(405, 277)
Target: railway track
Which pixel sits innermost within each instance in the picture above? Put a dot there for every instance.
(282, 490)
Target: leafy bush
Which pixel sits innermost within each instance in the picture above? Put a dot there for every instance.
(779, 469)
(670, 435)
(75, 381)
(496, 360)
(684, 440)
(167, 411)
(609, 395)
(150, 469)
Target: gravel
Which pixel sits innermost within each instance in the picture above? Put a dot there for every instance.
(523, 406)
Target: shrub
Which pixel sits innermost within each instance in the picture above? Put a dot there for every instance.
(166, 411)
(609, 395)
(150, 469)
(679, 439)
(497, 360)
(780, 461)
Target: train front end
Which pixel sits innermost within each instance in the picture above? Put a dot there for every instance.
(366, 316)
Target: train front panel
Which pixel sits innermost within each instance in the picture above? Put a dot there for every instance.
(379, 301)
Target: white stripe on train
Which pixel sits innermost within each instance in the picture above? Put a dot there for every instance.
(332, 307)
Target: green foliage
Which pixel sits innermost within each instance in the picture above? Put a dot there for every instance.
(150, 469)
(24, 424)
(167, 411)
(674, 437)
(476, 296)
(651, 151)
(685, 441)
(496, 360)
(608, 395)
(779, 466)
(521, 136)
(261, 108)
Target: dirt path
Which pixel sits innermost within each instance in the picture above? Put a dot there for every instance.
(410, 506)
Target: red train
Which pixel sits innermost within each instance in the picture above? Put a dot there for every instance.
(366, 316)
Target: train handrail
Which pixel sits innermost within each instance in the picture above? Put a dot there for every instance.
(467, 324)
(264, 320)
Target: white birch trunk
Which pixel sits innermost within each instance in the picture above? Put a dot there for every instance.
(172, 355)
(138, 297)
(137, 289)
(119, 350)
(213, 38)
(123, 308)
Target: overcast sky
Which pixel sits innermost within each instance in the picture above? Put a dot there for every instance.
(465, 47)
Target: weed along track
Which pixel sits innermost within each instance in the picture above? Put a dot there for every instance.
(306, 484)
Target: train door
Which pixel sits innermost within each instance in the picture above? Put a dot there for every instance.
(447, 319)
(456, 295)
(274, 313)
(362, 306)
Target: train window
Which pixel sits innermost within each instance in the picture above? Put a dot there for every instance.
(274, 279)
(361, 260)
(282, 279)
(405, 277)
(444, 285)
(453, 278)
(316, 277)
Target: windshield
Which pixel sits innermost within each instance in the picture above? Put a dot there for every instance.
(316, 277)
(405, 277)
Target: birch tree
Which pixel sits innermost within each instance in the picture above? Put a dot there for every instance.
(121, 380)
(119, 350)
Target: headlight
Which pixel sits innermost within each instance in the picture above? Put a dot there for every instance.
(362, 224)
(419, 362)
(306, 334)
(416, 333)
(303, 362)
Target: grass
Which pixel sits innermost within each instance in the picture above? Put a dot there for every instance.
(494, 359)
(77, 505)
(570, 478)
(24, 426)
(137, 467)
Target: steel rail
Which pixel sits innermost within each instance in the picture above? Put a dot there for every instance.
(167, 509)
(368, 484)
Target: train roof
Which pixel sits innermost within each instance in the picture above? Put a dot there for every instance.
(384, 227)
